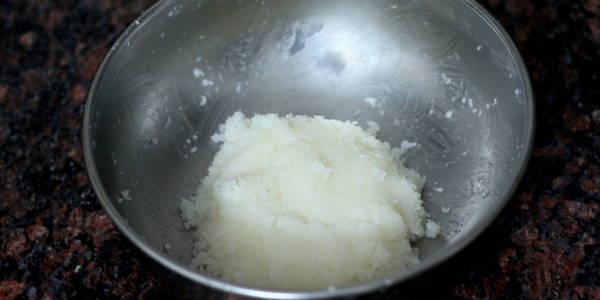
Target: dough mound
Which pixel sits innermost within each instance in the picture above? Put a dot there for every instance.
(301, 202)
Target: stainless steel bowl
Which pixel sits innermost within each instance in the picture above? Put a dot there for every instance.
(443, 73)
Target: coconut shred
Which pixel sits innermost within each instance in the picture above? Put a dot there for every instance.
(300, 202)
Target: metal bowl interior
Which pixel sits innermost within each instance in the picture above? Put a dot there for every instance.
(443, 73)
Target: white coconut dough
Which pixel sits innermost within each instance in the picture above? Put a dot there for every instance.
(304, 203)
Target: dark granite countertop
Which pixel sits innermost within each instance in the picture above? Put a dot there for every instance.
(57, 242)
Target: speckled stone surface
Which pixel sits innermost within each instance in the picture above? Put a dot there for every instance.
(57, 242)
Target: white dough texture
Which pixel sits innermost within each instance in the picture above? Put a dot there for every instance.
(301, 202)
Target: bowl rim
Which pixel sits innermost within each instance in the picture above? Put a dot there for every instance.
(361, 288)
